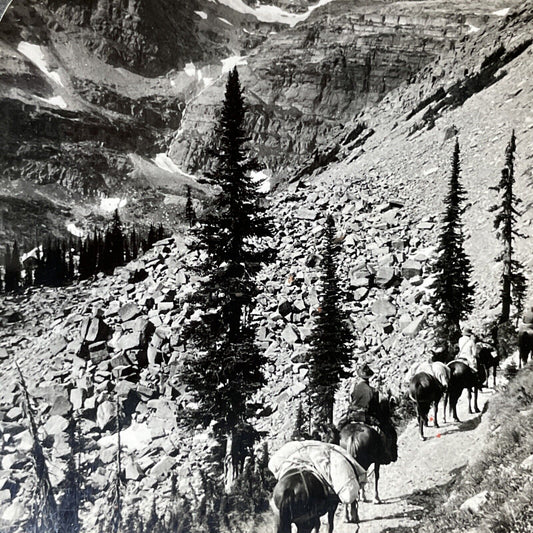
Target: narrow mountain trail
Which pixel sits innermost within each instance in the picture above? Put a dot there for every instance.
(406, 487)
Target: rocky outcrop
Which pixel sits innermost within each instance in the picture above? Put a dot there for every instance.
(305, 83)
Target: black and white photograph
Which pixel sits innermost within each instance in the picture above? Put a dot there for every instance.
(266, 266)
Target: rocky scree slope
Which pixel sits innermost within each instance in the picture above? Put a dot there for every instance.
(479, 92)
(80, 346)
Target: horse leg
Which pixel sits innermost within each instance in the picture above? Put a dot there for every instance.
(352, 516)
(362, 492)
(476, 408)
(421, 427)
(445, 406)
(494, 368)
(331, 516)
(469, 390)
(435, 411)
(376, 480)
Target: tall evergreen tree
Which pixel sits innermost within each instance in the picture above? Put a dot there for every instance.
(226, 369)
(329, 354)
(190, 213)
(453, 294)
(13, 268)
(513, 279)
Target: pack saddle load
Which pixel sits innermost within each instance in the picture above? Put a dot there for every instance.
(328, 461)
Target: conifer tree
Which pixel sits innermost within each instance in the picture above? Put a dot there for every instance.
(513, 279)
(190, 213)
(134, 244)
(329, 354)
(13, 268)
(452, 299)
(226, 368)
(7, 269)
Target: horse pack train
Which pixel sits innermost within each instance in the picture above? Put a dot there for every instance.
(310, 472)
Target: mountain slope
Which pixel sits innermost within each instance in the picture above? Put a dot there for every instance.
(385, 193)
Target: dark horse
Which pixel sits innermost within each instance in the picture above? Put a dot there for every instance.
(302, 498)
(525, 346)
(425, 390)
(366, 446)
(488, 361)
(463, 377)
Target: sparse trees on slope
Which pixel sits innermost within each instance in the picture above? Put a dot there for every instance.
(226, 369)
(452, 300)
(329, 354)
(513, 279)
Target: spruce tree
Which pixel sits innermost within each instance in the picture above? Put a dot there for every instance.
(329, 354)
(513, 279)
(225, 369)
(190, 213)
(13, 268)
(452, 300)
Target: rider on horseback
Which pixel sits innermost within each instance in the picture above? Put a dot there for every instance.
(364, 406)
(468, 348)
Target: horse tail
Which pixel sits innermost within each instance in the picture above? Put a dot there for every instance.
(285, 511)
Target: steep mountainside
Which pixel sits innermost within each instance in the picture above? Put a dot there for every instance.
(385, 192)
(94, 93)
(305, 83)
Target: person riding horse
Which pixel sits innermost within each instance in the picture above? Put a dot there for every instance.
(468, 348)
(365, 404)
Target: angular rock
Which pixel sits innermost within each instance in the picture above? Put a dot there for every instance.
(414, 327)
(105, 415)
(58, 344)
(476, 503)
(383, 307)
(96, 331)
(129, 341)
(411, 269)
(61, 407)
(56, 425)
(129, 311)
(305, 214)
(290, 334)
(163, 468)
(384, 276)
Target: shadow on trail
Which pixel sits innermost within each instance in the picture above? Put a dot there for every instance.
(466, 425)
(426, 502)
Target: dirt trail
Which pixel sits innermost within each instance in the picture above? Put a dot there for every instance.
(422, 468)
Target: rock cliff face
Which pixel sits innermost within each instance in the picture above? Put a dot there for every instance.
(305, 83)
(95, 93)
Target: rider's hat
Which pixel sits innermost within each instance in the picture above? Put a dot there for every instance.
(365, 372)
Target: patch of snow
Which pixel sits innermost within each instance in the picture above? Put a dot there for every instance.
(233, 61)
(472, 28)
(272, 13)
(201, 14)
(226, 21)
(56, 101)
(35, 54)
(32, 253)
(165, 163)
(502, 12)
(135, 437)
(110, 204)
(77, 232)
(190, 69)
(263, 179)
